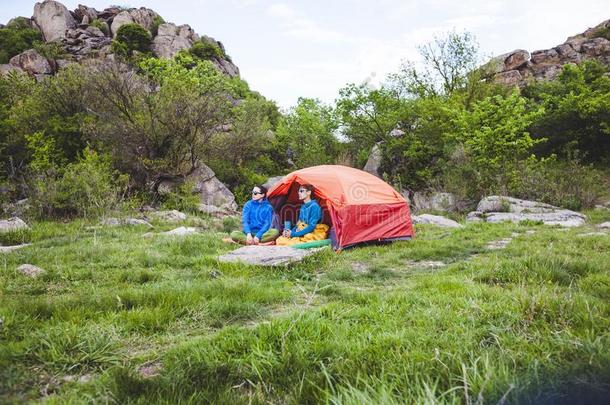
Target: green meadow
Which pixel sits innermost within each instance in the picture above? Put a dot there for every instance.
(444, 318)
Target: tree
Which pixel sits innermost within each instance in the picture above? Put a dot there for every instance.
(576, 117)
(307, 133)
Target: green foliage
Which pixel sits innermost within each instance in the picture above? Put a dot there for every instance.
(576, 112)
(50, 50)
(131, 37)
(307, 133)
(602, 32)
(97, 23)
(86, 188)
(16, 38)
(182, 198)
(206, 50)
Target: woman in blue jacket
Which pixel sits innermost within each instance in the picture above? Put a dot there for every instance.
(256, 219)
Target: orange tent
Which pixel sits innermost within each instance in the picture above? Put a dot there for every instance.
(358, 206)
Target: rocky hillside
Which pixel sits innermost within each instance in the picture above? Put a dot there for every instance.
(519, 66)
(87, 33)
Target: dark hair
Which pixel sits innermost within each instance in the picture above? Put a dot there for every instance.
(263, 190)
(308, 187)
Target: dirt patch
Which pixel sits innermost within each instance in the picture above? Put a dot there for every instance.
(150, 370)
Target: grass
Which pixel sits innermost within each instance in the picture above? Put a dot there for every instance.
(526, 324)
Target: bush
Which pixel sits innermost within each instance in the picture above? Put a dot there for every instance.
(203, 49)
(181, 199)
(87, 188)
(16, 38)
(101, 25)
(130, 38)
(565, 183)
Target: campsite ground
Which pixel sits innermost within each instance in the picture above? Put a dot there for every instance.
(486, 313)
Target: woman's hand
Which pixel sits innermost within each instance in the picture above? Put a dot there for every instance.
(256, 241)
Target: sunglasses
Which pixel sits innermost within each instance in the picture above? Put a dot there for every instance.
(302, 190)
(256, 193)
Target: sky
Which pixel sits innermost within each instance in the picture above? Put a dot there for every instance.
(312, 48)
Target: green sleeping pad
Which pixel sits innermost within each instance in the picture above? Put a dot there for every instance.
(312, 244)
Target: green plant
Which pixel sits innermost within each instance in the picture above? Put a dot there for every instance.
(130, 38)
(86, 188)
(602, 32)
(16, 38)
(204, 49)
(103, 26)
(50, 50)
(182, 198)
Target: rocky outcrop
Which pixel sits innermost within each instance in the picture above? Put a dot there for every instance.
(53, 19)
(436, 201)
(32, 62)
(172, 39)
(267, 255)
(143, 16)
(87, 33)
(519, 67)
(501, 209)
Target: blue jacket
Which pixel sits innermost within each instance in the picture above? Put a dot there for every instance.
(257, 217)
(311, 214)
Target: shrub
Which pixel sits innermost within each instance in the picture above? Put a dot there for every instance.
(50, 50)
(203, 49)
(97, 23)
(16, 38)
(86, 188)
(181, 198)
(130, 38)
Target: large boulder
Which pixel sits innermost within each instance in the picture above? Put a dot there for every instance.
(267, 255)
(171, 39)
(12, 224)
(211, 191)
(53, 19)
(32, 62)
(8, 68)
(435, 220)
(501, 208)
(143, 16)
(272, 181)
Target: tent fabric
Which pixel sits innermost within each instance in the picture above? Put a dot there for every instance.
(359, 206)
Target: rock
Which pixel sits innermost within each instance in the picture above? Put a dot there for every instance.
(564, 218)
(435, 220)
(475, 216)
(13, 224)
(509, 78)
(272, 181)
(32, 62)
(169, 216)
(150, 370)
(119, 20)
(435, 201)
(83, 11)
(502, 208)
(427, 264)
(516, 59)
(127, 221)
(171, 39)
(8, 249)
(498, 244)
(518, 67)
(7, 68)
(374, 162)
(496, 203)
(181, 231)
(30, 270)
(53, 19)
(604, 225)
(267, 255)
(584, 235)
(211, 191)
(226, 67)
(216, 211)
